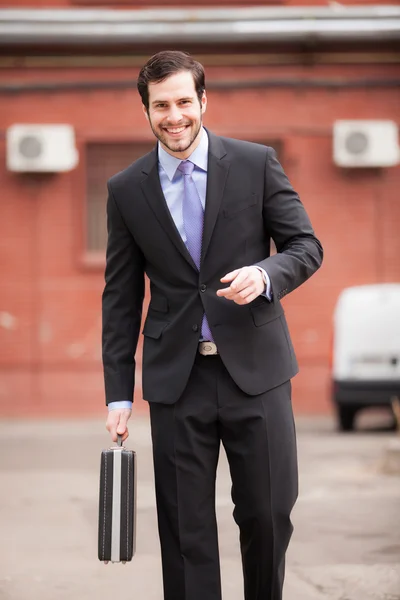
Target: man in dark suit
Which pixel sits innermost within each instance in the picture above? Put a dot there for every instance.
(197, 215)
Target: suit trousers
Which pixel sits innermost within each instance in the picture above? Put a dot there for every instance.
(258, 435)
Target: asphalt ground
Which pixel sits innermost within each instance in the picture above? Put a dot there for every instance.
(345, 546)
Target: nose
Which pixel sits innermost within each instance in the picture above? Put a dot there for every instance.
(174, 115)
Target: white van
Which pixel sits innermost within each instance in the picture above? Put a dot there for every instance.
(366, 349)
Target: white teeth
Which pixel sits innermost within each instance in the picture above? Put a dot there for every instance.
(177, 130)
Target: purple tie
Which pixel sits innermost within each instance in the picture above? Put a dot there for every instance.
(193, 219)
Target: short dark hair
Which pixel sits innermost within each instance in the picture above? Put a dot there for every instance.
(166, 63)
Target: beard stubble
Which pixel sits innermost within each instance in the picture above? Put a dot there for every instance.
(176, 148)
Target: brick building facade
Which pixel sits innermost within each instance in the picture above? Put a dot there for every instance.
(284, 91)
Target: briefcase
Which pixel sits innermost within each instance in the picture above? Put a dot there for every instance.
(117, 504)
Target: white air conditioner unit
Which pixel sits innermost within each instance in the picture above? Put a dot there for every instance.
(365, 144)
(41, 148)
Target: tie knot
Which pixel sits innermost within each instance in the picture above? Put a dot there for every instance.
(186, 167)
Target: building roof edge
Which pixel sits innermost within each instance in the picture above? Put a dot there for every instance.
(88, 27)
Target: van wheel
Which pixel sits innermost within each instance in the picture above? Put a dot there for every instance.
(346, 416)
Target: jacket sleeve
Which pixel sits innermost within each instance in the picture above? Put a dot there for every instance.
(122, 302)
(299, 252)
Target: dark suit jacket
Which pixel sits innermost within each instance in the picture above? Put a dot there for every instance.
(249, 200)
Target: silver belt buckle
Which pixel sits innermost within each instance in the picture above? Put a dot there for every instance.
(208, 348)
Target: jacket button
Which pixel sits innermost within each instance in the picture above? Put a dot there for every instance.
(203, 287)
(195, 327)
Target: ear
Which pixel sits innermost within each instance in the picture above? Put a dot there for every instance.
(146, 114)
(203, 103)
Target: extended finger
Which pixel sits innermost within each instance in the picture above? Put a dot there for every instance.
(229, 276)
(230, 294)
(225, 293)
(238, 284)
(241, 280)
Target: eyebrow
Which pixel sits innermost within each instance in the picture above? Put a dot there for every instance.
(166, 101)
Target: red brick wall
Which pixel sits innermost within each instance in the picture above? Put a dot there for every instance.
(50, 349)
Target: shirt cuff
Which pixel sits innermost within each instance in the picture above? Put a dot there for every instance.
(120, 404)
(268, 292)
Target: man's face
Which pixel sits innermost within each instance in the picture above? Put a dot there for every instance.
(175, 113)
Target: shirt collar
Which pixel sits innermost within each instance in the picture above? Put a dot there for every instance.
(199, 157)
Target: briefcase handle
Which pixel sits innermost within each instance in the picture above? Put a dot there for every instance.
(119, 443)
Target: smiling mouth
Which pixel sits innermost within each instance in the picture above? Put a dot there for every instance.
(175, 130)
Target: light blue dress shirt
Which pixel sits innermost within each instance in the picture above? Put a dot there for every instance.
(172, 186)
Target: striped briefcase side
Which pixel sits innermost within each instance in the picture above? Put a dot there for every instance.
(117, 505)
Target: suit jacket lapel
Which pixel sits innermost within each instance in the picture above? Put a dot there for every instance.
(216, 179)
(154, 195)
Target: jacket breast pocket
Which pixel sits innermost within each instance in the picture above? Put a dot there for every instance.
(153, 329)
(237, 206)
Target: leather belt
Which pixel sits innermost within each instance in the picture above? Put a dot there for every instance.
(208, 348)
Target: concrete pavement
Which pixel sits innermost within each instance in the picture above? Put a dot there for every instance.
(346, 544)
